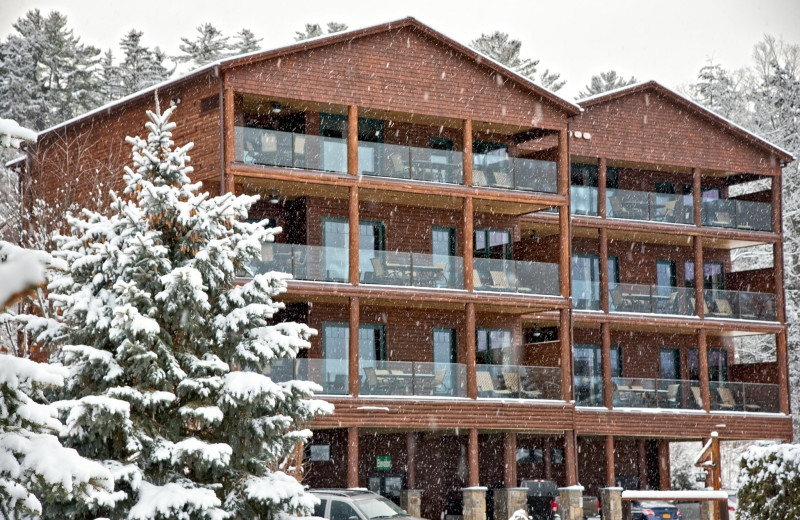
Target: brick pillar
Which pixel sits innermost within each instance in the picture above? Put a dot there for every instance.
(411, 501)
(509, 500)
(611, 503)
(474, 503)
(707, 510)
(570, 503)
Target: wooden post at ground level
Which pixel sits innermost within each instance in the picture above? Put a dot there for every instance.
(411, 455)
(467, 243)
(664, 481)
(605, 364)
(352, 457)
(702, 357)
(352, 352)
(466, 153)
(547, 460)
(566, 354)
(510, 459)
(610, 473)
(352, 140)
(570, 457)
(642, 463)
(353, 237)
(472, 376)
(472, 457)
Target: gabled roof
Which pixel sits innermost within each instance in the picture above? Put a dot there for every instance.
(322, 41)
(611, 95)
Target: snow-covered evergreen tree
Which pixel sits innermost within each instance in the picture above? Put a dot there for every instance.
(210, 45)
(502, 48)
(604, 82)
(246, 42)
(166, 349)
(140, 66)
(313, 30)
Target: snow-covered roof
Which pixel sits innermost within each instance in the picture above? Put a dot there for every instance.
(703, 494)
(652, 84)
(326, 39)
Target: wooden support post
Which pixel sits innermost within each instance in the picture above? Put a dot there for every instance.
(697, 197)
(467, 243)
(605, 364)
(563, 162)
(353, 221)
(352, 457)
(566, 354)
(610, 475)
(564, 259)
(547, 459)
(510, 459)
(699, 279)
(411, 455)
(642, 463)
(664, 481)
(570, 457)
(472, 449)
(783, 371)
(352, 355)
(605, 283)
(472, 377)
(466, 153)
(229, 151)
(601, 187)
(780, 299)
(352, 140)
(702, 357)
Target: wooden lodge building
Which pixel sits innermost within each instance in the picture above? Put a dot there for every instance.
(504, 282)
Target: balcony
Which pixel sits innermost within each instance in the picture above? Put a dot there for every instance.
(303, 262)
(732, 396)
(330, 374)
(410, 162)
(739, 305)
(290, 150)
(651, 299)
(737, 214)
(518, 382)
(411, 269)
(517, 276)
(407, 378)
(583, 200)
(653, 207)
(514, 173)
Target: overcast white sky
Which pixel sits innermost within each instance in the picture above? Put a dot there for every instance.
(665, 40)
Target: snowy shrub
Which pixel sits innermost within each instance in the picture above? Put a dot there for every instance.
(166, 335)
(769, 484)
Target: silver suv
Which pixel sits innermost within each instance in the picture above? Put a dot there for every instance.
(356, 504)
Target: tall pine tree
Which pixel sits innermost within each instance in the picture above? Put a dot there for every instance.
(166, 350)
(604, 82)
(502, 48)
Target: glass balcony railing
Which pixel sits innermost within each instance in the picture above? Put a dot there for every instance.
(410, 162)
(411, 269)
(642, 205)
(290, 150)
(739, 214)
(330, 374)
(650, 299)
(518, 382)
(586, 295)
(303, 262)
(407, 378)
(588, 390)
(515, 173)
(515, 276)
(636, 392)
(583, 200)
(744, 397)
(740, 305)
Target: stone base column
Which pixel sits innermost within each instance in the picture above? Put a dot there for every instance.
(509, 500)
(474, 503)
(611, 503)
(411, 501)
(570, 503)
(707, 510)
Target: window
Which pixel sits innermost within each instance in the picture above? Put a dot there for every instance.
(586, 279)
(336, 243)
(494, 346)
(492, 243)
(588, 372)
(670, 363)
(443, 247)
(717, 365)
(342, 510)
(335, 351)
(319, 509)
(372, 342)
(713, 278)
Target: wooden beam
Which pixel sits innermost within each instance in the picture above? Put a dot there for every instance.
(472, 378)
(605, 364)
(566, 354)
(610, 475)
(472, 449)
(352, 353)
(548, 461)
(228, 152)
(782, 361)
(601, 187)
(411, 456)
(665, 482)
(352, 140)
(564, 260)
(510, 459)
(466, 154)
(699, 278)
(603, 265)
(702, 357)
(697, 197)
(353, 218)
(642, 463)
(563, 162)
(570, 457)
(352, 457)
(467, 243)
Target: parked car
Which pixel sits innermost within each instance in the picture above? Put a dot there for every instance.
(654, 510)
(356, 504)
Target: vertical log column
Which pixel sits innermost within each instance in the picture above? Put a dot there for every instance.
(472, 383)
(352, 457)
(570, 457)
(566, 355)
(547, 459)
(352, 169)
(229, 110)
(699, 281)
(466, 139)
(780, 304)
(564, 261)
(702, 357)
(642, 463)
(411, 455)
(663, 466)
(352, 346)
(610, 475)
(605, 364)
(472, 458)
(510, 459)
(601, 187)
(467, 243)
(697, 197)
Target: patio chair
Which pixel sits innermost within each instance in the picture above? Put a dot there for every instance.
(486, 386)
(399, 168)
(512, 382)
(479, 178)
(723, 308)
(722, 218)
(698, 397)
(500, 280)
(694, 306)
(502, 179)
(382, 273)
(374, 382)
(672, 394)
(623, 395)
(617, 209)
(667, 212)
(299, 151)
(729, 402)
(439, 387)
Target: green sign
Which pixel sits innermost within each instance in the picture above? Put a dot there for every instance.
(384, 463)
